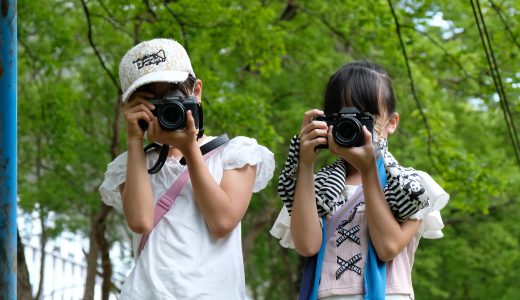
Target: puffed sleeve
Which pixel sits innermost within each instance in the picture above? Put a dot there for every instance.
(413, 194)
(115, 175)
(241, 151)
(430, 215)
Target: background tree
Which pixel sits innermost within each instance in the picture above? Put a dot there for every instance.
(263, 63)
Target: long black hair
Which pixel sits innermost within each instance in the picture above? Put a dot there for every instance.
(361, 84)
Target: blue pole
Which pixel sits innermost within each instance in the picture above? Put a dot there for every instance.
(8, 173)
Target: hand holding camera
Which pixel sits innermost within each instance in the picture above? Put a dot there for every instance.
(138, 110)
(361, 157)
(347, 126)
(311, 135)
(350, 137)
(171, 109)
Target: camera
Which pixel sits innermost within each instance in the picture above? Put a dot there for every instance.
(347, 128)
(171, 110)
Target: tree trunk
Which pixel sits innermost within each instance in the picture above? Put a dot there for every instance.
(43, 243)
(92, 256)
(266, 216)
(104, 248)
(98, 244)
(23, 286)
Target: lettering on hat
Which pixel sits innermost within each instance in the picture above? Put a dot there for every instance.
(150, 59)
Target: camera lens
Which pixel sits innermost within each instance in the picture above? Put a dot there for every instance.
(348, 132)
(172, 116)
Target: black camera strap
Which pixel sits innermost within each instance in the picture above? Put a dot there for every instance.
(213, 144)
(163, 154)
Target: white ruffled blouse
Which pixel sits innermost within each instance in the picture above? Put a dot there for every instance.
(181, 260)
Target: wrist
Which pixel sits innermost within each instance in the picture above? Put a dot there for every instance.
(135, 142)
(305, 168)
(369, 171)
(191, 150)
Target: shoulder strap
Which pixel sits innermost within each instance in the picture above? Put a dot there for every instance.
(165, 203)
(215, 143)
(343, 212)
(163, 154)
(375, 269)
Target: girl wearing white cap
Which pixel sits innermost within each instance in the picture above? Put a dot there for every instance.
(193, 249)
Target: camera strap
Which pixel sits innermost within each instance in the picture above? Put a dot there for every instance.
(213, 144)
(163, 154)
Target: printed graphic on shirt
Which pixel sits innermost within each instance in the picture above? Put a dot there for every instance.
(348, 265)
(404, 190)
(150, 59)
(349, 219)
(348, 234)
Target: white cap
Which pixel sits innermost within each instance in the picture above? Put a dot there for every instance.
(157, 60)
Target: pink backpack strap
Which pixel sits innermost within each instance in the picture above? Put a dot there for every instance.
(166, 201)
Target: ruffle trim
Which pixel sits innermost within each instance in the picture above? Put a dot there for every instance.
(115, 175)
(282, 229)
(430, 215)
(237, 153)
(430, 228)
(242, 151)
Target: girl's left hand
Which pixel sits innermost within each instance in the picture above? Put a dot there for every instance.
(182, 139)
(362, 157)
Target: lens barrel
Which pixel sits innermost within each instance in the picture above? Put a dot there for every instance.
(348, 132)
(172, 116)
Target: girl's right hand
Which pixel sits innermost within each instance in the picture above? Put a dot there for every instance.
(138, 108)
(312, 134)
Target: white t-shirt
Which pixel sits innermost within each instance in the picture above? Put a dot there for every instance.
(181, 260)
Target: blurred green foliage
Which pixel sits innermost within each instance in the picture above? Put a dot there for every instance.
(264, 63)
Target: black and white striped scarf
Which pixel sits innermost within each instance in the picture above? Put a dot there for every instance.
(404, 189)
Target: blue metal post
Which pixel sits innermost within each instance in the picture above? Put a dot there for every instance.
(8, 173)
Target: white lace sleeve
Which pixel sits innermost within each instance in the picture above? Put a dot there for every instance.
(430, 215)
(115, 175)
(242, 151)
(282, 229)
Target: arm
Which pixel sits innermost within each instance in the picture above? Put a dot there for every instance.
(224, 205)
(136, 193)
(305, 222)
(388, 236)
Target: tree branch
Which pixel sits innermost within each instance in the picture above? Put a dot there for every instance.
(93, 45)
(149, 9)
(412, 84)
(290, 11)
(451, 57)
(341, 35)
(181, 24)
(508, 28)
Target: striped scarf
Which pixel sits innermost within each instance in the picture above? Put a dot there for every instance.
(404, 190)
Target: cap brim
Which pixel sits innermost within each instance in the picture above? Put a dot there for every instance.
(159, 76)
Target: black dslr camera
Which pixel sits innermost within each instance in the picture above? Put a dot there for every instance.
(171, 110)
(347, 127)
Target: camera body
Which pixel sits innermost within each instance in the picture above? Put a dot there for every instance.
(347, 128)
(171, 110)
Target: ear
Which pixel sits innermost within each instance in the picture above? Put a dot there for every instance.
(197, 90)
(392, 123)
